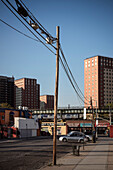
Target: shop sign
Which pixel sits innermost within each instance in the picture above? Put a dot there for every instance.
(103, 125)
(60, 124)
(85, 124)
(73, 124)
(52, 124)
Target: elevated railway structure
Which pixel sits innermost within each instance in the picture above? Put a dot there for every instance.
(72, 113)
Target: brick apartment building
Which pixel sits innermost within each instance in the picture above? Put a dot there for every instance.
(7, 90)
(98, 80)
(47, 102)
(27, 93)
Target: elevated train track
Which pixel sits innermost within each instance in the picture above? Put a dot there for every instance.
(71, 113)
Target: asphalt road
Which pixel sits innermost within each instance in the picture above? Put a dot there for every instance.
(29, 154)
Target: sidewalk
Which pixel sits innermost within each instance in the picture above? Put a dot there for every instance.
(95, 156)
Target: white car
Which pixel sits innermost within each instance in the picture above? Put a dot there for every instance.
(89, 137)
(74, 136)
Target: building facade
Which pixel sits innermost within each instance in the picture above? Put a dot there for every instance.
(98, 81)
(47, 102)
(27, 93)
(7, 115)
(7, 90)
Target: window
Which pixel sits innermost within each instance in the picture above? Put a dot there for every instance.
(74, 134)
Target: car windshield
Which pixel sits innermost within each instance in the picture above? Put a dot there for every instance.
(72, 133)
(75, 133)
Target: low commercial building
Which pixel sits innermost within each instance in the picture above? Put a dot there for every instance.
(26, 127)
(85, 126)
(7, 115)
(49, 126)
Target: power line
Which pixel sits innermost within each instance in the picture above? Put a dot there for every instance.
(63, 58)
(71, 74)
(36, 19)
(27, 27)
(70, 79)
(29, 23)
(63, 62)
(19, 31)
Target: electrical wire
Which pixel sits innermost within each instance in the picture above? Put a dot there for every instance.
(70, 79)
(72, 74)
(19, 31)
(28, 22)
(65, 65)
(27, 27)
(36, 19)
(26, 36)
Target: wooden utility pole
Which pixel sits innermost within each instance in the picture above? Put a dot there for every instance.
(56, 96)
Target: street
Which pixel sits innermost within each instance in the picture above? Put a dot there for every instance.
(27, 154)
(37, 153)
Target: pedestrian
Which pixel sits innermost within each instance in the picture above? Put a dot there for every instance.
(18, 133)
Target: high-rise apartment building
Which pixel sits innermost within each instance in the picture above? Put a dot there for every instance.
(47, 102)
(7, 90)
(27, 93)
(98, 80)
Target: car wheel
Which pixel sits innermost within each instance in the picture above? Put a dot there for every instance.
(81, 141)
(64, 140)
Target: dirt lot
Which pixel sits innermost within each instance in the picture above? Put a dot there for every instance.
(29, 154)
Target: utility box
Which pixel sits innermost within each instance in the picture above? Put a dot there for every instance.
(111, 131)
(26, 127)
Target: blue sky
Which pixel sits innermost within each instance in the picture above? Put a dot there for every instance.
(86, 29)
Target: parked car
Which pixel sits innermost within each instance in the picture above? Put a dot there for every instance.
(89, 137)
(74, 136)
